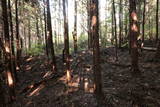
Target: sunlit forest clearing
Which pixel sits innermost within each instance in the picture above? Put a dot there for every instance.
(79, 53)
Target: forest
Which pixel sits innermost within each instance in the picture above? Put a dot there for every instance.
(79, 53)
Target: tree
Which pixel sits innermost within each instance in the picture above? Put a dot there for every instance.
(17, 35)
(45, 27)
(96, 50)
(120, 23)
(89, 18)
(133, 32)
(115, 25)
(66, 40)
(7, 47)
(50, 39)
(144, 10)
(75, 27)
(12, 42)
(157, 20)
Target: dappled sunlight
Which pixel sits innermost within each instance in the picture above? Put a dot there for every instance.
(47, 74)
(29, 59)
(37, 90)
(68, 75)
(134, 16)
(28, 67)
(134, 28)
(10, 79)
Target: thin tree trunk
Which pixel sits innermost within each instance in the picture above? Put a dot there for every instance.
(17, 35)
(75, 28)
(45, 27)
(7, 46)
(120, 23)
(29, 34)
(66, 40)
(134, 32)
(113, 35)
(96, 50)
(50, 38)
(12, 43)
(144, 11)
(115, 25)
(157, 21)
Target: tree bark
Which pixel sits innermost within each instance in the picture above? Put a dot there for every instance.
(157, 20)
(115, 25)
(45, 27)
(66, 40)
(50, 38)
(75, 27)
(96, 50)
(12, 43)
(7, 46)
(133, 32)
(120, 23)
(144, 11)
(17, 35)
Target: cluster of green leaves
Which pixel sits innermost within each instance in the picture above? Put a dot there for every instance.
(36, 49)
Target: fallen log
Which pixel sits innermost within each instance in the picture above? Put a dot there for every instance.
(149, 48)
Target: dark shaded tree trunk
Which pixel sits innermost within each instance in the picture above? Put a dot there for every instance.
(157, 21)
(115, 26)
(29, 34)
(12, 42)
(89, 12)
(50, 38)
(17, 35)
(144, 11)
(157, 56)
(66, 40)
(96, 50)
(37, 28)
(113, 36)
(75, 27)
(120, 23)
(2, 97)
(45, 27)
(7, 46)
(133, 32)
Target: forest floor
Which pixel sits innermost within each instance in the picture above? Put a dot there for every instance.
(120, 87)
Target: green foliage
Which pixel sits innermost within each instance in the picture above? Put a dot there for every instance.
(36, 49)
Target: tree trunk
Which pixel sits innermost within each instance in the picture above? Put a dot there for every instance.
(45, 27)
(66, 39)
(120, 23)
(96, 50)
(12, 43)
(144, 11)
(29, 34)
(134, 32)
(89, 12)
(158, 51)
(157, 20)
(115, 25)
(17, 35)
(2, 97)
(7, 46)
(49, 37)
(75, 27)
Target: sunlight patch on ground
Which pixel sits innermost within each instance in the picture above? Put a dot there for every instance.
(37, 90)
(29, 59)
(10, 79)
(47, 74)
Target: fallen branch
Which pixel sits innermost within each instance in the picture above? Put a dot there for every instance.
(149, 48)
(34, 85)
